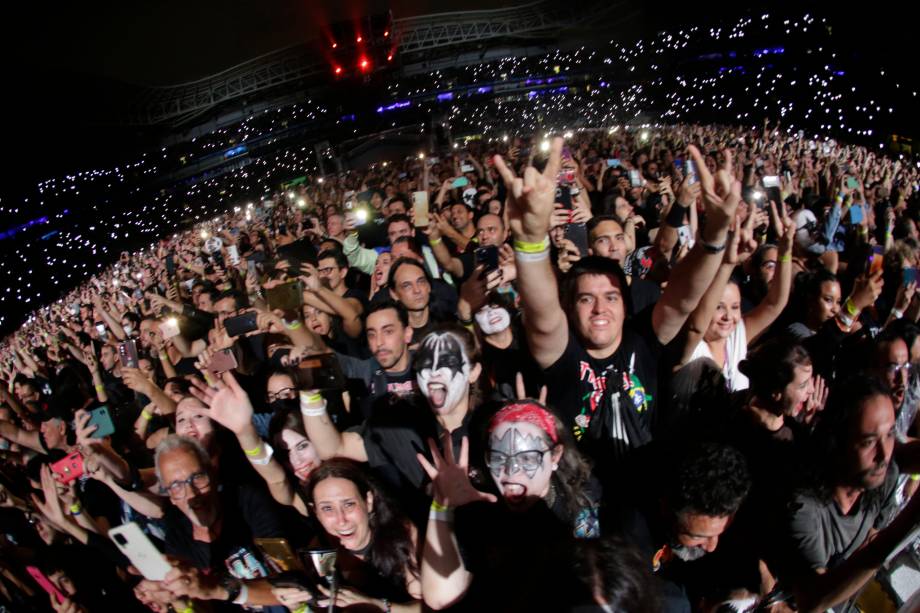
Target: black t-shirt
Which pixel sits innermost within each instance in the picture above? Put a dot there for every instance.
(247, 512)
(643, 294)
(620, 390)
(501, 366)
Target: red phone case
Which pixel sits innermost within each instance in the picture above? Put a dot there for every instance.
(45, 583)
(69, 468)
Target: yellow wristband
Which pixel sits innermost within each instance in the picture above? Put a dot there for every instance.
(253, 452)
(437, 506)
(915, 477)
(851, 307)
(524, 247)
(75, 508)
(146, 414)
(292, 326)
(434, 241)
(785, 258)
(187, 609)
(311, 398)
(100, 388)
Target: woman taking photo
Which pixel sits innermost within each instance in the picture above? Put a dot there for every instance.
(376, 544)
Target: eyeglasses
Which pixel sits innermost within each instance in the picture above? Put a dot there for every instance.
(283, 394)
(529, 461)
(179, 489)
(894, 369)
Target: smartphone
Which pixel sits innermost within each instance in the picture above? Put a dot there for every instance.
(852, 183)
(564, 196)
(488, 256)
(68, 468)
(234, 254)
(143, 555)
(222, 361)
(566, 176)
(771, 181)
(101, 418)
(689, 172)
(578, 234)
(320, 372)
(170, 327)
(420, 208)
(635, 179)
(127, 352)
(251, 268)
(613, 163)
(287, 296)
(100, 329)
(256, 257)
(876, 259)
(279, 555)
(460, 182)
(910, 275)
(467, 168)
(856, 214)
(170, 264)
(241, 324)
(45, 583)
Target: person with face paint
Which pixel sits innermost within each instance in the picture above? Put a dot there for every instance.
(548, 501)
(446, 367)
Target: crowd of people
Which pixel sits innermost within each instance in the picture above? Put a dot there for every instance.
(667, 368)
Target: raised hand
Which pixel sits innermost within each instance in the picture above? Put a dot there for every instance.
(531, 197)
(450, 479)
(721, 195)
(229, 405)
(521, 391)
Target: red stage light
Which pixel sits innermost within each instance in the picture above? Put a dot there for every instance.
(364, 63)
(338, 70)
(334, 45)
(359, 39)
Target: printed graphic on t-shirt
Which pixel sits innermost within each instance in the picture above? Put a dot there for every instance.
(628, 383)
(402, 388)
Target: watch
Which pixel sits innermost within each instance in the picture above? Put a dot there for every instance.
(233, 587)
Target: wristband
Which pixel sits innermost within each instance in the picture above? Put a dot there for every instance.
(311, 411)
(532, 257)
(785, 258)
(434, 241)
(254, 452)
(863, 230)
(525, 247)
(188, 609)
(100, 388)
(713, 248)
(897, 313)
(844, 321)
(163, 356)
(850, 306)
(269, 452)
(915, 477)
(888, 234)
(243, 596)
(295, 325)
(437, 506)
(76, 509)
(445, 516)
(146, 414)
(313, 398)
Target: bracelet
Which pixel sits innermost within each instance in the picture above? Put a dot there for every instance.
(915, 477)
(295, 325)
(850, 306)
(435, 241)
(100, 388)
(254, 452)
(888, 234)
(244, 595)
(713, 248)
(785, 258)
(269, 452)
(524, 256)
(146, 414)
(524, 247)
(437, 506)
(188, 609)
(445, 516)
(897, 313)
(310, 398)
(76, 509)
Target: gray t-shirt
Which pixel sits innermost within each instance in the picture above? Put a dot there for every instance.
(823, 537)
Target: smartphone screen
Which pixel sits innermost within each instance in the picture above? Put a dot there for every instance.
(420, 208)
(488, 256)
(578, 234)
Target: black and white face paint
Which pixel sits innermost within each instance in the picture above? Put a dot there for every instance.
(442, 370)
(520, 460)
(492, 319)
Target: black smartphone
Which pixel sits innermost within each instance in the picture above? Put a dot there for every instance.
(578, 234)
(488, 256)
(241, 324)
(171, 265)
(564, 196)
(320, 372)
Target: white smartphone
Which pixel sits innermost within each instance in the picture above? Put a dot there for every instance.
(771, 181)
(170, 328)
(420, 206)
(234, 255)
(144, 556)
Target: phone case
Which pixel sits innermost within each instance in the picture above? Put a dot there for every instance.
(103, 421)
(45, 583)
(420, 207)
(69, 467)
(287, 297)
(142, 554)
(169, 329)
(320, 372)
(222, 361)
(241, 324)
(278, 554)
(127, 351)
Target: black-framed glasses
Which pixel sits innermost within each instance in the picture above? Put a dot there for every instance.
(179, 489)
(282, 394)
(529, 461)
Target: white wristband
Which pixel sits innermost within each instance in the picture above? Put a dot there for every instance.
(308, 408)
(532, 257)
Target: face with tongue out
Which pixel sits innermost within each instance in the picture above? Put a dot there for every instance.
(442, 371)
(521, 460)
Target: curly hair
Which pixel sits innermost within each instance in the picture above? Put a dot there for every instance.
(392, 551)
(711, 479)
